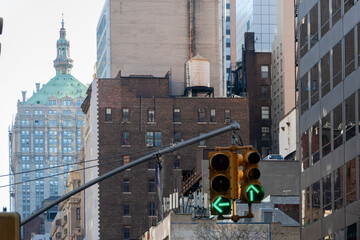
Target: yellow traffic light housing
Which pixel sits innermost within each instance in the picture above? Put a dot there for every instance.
(251, 189)
(9, 226)
(220, 182)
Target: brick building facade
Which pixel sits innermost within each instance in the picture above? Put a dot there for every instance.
(252, 78)
(127, 116)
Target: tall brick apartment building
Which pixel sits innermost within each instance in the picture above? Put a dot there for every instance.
(252, 78)
(126, 116)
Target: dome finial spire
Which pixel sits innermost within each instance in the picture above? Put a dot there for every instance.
(62, 22)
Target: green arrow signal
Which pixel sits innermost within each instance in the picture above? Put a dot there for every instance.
(222, 205)
(254, 193)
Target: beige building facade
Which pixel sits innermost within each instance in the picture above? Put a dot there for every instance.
(283, 68)
(69, 221)
(151, 37)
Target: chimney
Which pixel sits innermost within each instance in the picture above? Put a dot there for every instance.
(23, 95)
(37, 86)
(249, 41)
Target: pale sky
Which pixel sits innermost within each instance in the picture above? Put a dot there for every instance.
(28, 48)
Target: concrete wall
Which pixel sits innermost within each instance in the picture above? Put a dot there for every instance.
(280, 177)
(152, 37)
(182, 227)
(287, 133)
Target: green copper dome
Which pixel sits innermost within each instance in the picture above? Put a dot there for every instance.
(63, 84)
(59, 87)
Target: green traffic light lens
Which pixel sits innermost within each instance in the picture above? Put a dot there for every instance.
(255, 193)
(222, 205)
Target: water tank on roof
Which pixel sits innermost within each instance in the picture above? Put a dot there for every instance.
(198, 72)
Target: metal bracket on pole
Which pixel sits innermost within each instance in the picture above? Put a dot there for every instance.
(235, 217)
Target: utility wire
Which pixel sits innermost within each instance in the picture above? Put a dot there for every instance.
(63, 173)
(40, 178)
(102, 158)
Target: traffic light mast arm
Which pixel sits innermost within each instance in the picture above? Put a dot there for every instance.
(233, 126)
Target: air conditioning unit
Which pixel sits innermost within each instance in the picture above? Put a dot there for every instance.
(149, 144)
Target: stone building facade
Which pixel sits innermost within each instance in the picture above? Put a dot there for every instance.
(46, 136)
(130, 116)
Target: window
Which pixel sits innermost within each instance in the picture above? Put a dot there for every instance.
(67, 123)
(66, 112)
(265, 112)
(350, 181)
(337, 64)
(157, 139)
(152, 209)
(177, 137)
(327, 210)
(324, 16)
(151, 115)
(78, 102)
(108, 116)
(177, 162)
(149, 139)
(125, 138)
(338, 126)
(350, 116)
(265, 92)
(227, 115)
(264, 71)
(126, 232)
(336, 11)
(153, 141)
(79, 112)
(349, 52)
(314, 26)
(126, 209)
(265, 131)
(77, 213)
(67, 102)
(201, 117)
(67, 146)
(338, 188)
(212, 115)
(176, 115)
(151, 185)
(126, 185)
(125, 115)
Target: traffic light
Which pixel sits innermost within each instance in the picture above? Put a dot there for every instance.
(9, 226)
(251, 189)
(223, 181)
